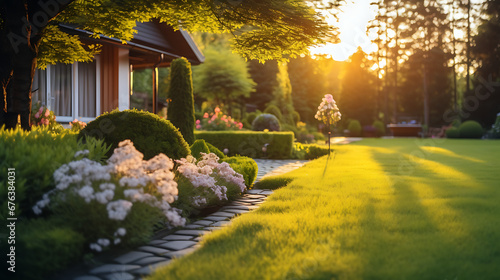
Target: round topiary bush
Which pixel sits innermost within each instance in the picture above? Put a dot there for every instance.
(266, 121)
(452, 132)
(354, 128)
(470, 129)
(379, 128)
(150, 134)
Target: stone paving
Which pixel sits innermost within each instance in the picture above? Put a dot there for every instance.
(159, 252)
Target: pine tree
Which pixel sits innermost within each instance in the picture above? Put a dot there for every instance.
(181, 107)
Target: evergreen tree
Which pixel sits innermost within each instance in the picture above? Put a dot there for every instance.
(181, 107)
(264, 75)
(282, 94)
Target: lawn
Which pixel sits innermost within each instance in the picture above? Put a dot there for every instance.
(376, 209)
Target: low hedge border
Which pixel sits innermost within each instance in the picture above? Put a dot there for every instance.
(251, 143)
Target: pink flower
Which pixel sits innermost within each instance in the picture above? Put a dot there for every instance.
(47, 113)
(329, 98)
(205, 116)
(198, 121)
(217, 110)
(37, 115)
(209, 121)
(40, 110)
(198, 126)
(240, 125)
(45, 121)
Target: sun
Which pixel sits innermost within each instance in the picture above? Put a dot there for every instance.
(353, 20)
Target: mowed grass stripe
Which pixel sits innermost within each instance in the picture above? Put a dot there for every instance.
(378, 209)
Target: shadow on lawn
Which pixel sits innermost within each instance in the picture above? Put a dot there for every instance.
(431, 226)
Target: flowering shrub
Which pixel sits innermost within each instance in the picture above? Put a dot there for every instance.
(41, 115)
(207, 182)
(120, 200)
(328, 112)
(217, 121)
(77, 125)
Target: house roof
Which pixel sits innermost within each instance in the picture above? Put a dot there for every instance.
(154, 44)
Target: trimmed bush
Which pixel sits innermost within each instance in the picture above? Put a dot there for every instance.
(245, 166)
(150, 134)
(296, 117)
(214, 150)
(379, 128)
(181, 108)
(35, 155)
(266, 121)
(250, 143)
(452, 132)
(251, 117)
(471, 129)
(354, 128)
(43, 248)
(199, 146)
(304, 151)
(273, 182)
(274, 110)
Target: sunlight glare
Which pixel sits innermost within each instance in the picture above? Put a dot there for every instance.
(352, 23)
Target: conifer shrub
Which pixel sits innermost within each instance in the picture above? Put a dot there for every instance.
(199, 146)
(266, 121)
(274, 110)
(150, 134)
(181, 107)
(471, 129)
(354, 128)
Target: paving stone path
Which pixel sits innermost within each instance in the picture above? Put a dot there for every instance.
(159, 252)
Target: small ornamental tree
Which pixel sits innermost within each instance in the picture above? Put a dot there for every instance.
(328, 113)
(181, 107)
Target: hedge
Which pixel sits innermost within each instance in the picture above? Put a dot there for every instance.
(251, 143)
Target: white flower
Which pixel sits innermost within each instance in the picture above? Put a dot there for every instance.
(87, 193)
(103, 242)
(81, 153)
(117, 241)
(95, 247)
(118, 210)
(121, 232)
(105, 196)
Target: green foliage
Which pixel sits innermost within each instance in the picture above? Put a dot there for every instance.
(245, 166)
(35, 155)
(273, 182)
(264, 75)
(181, 107)
(251, 117)
(250, 143)
(354, 128)
(43, 247)
(379, 128)
(308, 151)
(199, 146)
(471, 129)
(296, 117)
(150, 134)
(282, 95)
(266, 121)
(223, 77)
(452, 132)
(274, 110)
(215, 151)
(495, 129)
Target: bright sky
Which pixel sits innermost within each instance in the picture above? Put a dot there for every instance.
(353, 20)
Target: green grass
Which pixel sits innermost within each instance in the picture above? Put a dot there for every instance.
(377, 209)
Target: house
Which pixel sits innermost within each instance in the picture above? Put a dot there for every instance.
(85, 90)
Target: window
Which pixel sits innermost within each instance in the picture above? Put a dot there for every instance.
(71, 91)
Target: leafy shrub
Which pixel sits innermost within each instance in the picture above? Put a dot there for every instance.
(452, 132)
(181, 108)
(471, 129)
(217, 121)
(77, 126)
(273, 182)
(304, 151)
(43, 247)
(495, 129)
(266, 121)
(319, 136)
(288, 127)
(296, 117)
(274, 110)
(199, 146)
(212, 149)
(354, 128)
(245, 166)
(379, 128)
(151, 134)
(116, 203)
(251, 117)
(206, 182)
(251, 143)
(35, 155)
(42, 116)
